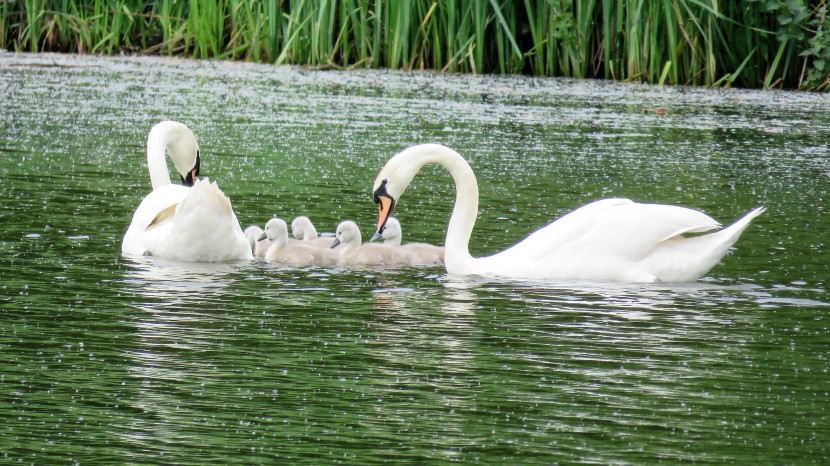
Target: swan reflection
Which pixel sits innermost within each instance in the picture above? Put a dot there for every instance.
(178, 321)
(425, 352)
(178, 281)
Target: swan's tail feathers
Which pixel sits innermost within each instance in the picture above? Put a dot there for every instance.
(206, 195)
(730, 234)
(205, 205)
(680, 259)
(744, 221)
(693, 229)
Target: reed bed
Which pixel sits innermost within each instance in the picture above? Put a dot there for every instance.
(748, 43)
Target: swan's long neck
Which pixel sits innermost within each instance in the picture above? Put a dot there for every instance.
(464, 212)
(156, 161)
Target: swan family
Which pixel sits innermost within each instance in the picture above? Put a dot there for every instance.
(610, 239)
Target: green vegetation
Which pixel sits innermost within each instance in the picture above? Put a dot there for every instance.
(750, 43)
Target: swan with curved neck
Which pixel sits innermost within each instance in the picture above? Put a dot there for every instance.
(609, 239)
(176, 140)
(190, 222)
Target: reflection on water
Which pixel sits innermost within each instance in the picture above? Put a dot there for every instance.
(667, 362)
(113, 360)
(174, 328)
(172, 284)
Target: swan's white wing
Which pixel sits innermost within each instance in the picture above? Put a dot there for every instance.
(568, 228)
(601, 235)
(154, 203)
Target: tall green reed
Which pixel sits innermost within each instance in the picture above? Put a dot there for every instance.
(753, 43)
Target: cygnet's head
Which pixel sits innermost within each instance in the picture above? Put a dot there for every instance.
(275, 229)
(253, 233)
(303, 229)
(347, 233)
(392, 231)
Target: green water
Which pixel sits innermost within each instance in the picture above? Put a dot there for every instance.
(111, 360)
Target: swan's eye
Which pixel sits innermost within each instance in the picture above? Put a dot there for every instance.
(381, 191)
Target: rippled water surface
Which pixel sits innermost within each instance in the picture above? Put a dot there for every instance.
(112, 360)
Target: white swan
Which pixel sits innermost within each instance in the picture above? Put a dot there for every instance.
(348, 241)
(422, 253)
(610, 239)
(253, 233)
(303, 230)
(183, 223)
(292, 252)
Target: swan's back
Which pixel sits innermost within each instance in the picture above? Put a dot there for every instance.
(618, 239)
(617, 226)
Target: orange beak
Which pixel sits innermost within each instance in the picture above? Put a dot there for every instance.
(385, 205)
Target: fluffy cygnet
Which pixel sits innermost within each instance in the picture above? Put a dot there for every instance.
(258, 247)
(422, 253)
(352, 252)
(303, 230)
(292, 252)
